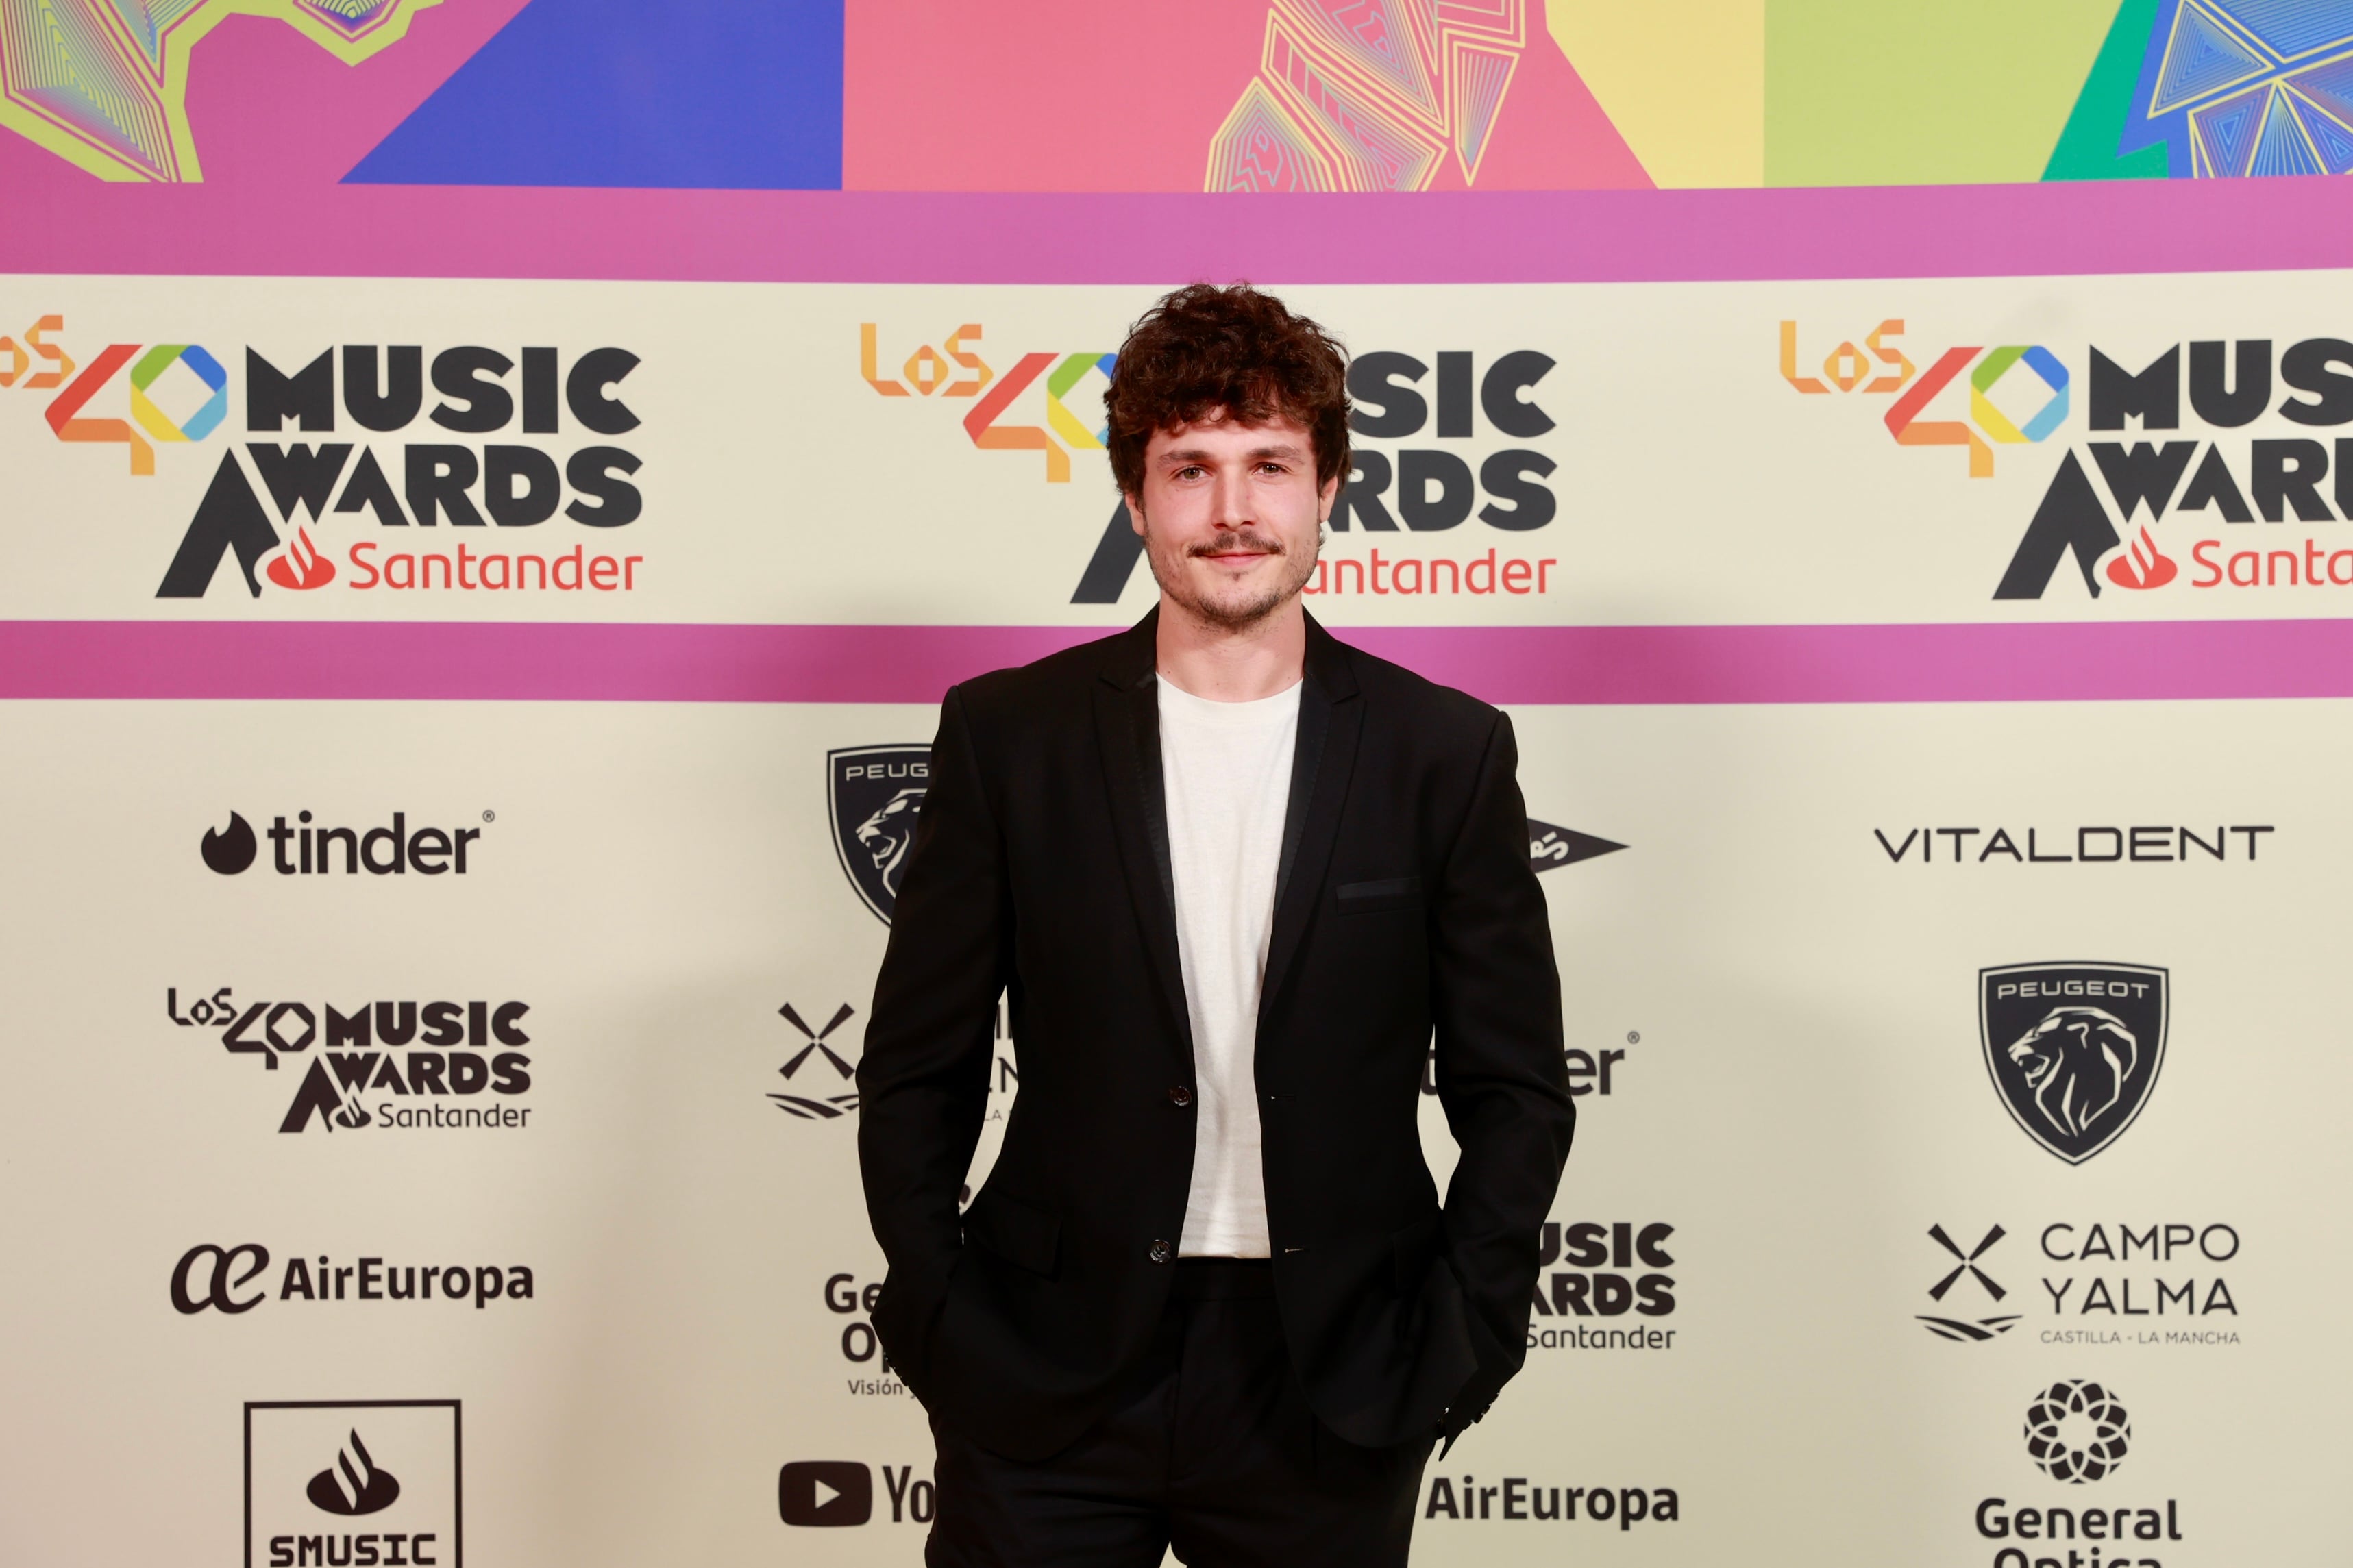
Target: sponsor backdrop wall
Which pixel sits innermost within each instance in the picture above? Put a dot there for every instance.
(494, 492)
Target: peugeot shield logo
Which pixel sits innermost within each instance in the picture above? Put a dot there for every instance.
(2073, 1048)
(874, 794)
(230, 850)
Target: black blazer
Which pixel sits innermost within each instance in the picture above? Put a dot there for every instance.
(1405, 903)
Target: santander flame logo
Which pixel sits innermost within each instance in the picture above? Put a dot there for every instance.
(2143, 565)
(353, 1485)
(301, 566)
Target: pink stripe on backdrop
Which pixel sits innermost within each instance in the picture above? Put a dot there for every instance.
(62, 221)
(632, 663)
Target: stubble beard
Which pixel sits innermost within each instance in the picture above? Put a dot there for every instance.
(1233, 615)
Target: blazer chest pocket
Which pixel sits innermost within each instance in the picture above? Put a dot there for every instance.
(1389, 893)
(1024, 1236)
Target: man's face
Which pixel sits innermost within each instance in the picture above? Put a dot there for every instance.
(1230, 515)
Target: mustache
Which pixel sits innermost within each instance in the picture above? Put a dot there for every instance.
(1249, 538)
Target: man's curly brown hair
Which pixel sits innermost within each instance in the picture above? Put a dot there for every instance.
(1204, 349)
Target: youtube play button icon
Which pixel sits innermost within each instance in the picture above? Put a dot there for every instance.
(825, 1492)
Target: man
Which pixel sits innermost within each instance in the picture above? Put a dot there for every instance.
(1230, 875)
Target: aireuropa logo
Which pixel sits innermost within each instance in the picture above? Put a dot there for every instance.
(303, 849)
(361, 1481)
(1515, 1497)
(1439, 403)
(393, 1066)
(2022, 393)
(541, 405)
(222, 1280)
(2073, 1048)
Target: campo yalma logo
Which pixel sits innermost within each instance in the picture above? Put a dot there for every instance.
(2073, 1048)
(2077, 1431)
(808, 1107)
(1965, 1263)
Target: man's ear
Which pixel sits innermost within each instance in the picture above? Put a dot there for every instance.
(1135, 512)
(1327, 491)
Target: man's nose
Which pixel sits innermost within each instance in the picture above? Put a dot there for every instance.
(1230, 507)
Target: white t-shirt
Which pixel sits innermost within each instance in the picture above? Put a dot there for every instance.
(1225, 775)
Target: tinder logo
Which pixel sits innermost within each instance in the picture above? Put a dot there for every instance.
(301, 566)
(2143, 565)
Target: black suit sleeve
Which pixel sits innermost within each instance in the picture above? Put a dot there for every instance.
(922, 1080)
(1501, 1076)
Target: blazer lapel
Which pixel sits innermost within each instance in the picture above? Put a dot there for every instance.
(1331, 718)
(1127, 729)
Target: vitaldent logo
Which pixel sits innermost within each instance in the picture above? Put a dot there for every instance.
(143, 396)
(1464, 413)
(2021, 393)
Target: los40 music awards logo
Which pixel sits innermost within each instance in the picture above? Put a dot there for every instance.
(1472, 419)
(506, 442)
(2242, 453)
(387, 1066)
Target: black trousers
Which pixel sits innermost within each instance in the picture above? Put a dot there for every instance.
(1212, 1450)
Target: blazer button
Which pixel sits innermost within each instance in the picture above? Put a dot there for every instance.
(1161, 1252)
(1180, 1096)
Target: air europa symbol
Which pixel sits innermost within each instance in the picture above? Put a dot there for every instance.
(223, 1282)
